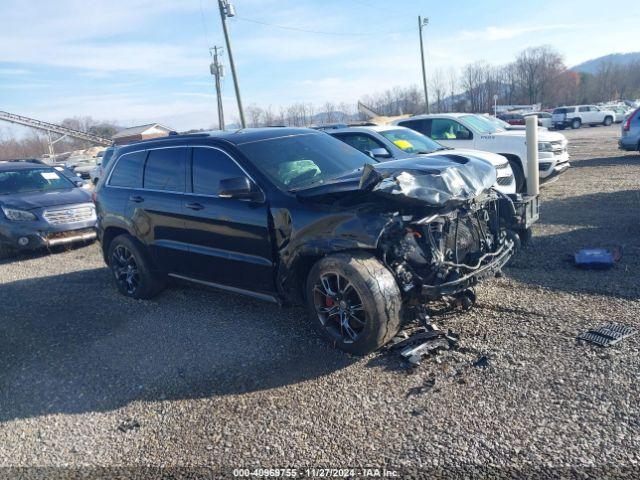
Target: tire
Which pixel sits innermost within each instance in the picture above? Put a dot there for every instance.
(518, 173)
(132, 270)
(576, 123)
(6, 252)
(363, 281)
(607, 121)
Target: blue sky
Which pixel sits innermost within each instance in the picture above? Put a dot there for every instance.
(138, 61)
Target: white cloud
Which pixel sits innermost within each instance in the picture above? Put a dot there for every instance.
(493, 33)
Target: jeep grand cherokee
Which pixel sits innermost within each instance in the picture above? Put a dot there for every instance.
(294, 215)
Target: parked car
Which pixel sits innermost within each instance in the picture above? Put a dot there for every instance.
(630, 137)
(97, 171)
(512, 118)
(544, 118)
(576, 115)
(386, 143)
(294, 215)
(40, 207)
(464, 130)
(621, 112)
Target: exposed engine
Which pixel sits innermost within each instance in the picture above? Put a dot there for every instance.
(445, 253)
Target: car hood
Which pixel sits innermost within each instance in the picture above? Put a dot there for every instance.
(32, 200)
(544, 135)
(437, 180)
(493, 158)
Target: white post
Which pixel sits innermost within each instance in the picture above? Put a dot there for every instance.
(533, 176)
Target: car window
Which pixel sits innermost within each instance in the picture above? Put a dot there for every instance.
(561, 110)
(209, 167)
(128, 170)
(35, 180)
(447, 129)
(106, 158)
(411, 141)
(300, 161)
(583, 109)
(165, 169)
(360, 141)
(421, 126)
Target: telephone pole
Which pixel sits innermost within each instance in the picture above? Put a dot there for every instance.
(228, 10)
(423, 22)
(218, 72)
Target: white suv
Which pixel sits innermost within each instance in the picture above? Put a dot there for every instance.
(466, 130)
(577, 115)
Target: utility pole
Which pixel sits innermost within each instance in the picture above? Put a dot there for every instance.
(423, 23)
(228, 10)
(218, 72)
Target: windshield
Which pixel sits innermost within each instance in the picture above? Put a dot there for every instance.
(303, 160)
(411, 141)
(501, 124)
(34, 180)
(481, 124)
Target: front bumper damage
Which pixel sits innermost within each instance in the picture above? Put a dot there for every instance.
(491, 268)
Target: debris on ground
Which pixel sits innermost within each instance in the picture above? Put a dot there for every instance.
(608, 334)
(597, 258)
(128, 424)
(482, 362)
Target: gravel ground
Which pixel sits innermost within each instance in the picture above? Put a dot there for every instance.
(202, 378)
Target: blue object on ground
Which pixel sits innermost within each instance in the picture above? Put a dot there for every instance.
(594, 258)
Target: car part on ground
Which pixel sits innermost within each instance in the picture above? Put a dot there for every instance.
(597, 258)
(307, 219)
(608, 335)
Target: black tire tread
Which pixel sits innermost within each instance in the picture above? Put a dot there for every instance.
(151, 283)
(382, 287)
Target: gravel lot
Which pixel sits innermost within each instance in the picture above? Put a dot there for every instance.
(218, 380)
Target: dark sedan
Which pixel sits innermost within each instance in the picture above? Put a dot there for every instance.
(40, 207)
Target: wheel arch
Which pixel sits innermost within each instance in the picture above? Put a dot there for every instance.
(108, 235)
(512, 157)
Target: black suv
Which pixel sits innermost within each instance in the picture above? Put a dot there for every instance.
(294, 215)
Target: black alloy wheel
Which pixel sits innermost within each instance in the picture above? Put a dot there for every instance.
(125, 269)
(339, 307)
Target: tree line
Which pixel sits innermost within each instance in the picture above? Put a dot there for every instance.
(538, 75)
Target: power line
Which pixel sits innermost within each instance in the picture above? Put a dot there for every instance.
(319, 32)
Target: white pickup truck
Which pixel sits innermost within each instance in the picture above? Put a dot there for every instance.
(466, 130)
(577, 115)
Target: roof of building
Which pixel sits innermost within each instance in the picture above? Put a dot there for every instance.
(140, 129)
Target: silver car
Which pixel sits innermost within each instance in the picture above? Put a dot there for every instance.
(630, 138)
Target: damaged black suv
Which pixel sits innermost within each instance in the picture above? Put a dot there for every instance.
(296, 216)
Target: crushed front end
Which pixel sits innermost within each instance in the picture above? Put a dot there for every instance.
(451, 231)
(447, 253)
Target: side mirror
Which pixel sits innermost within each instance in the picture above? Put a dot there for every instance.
(463, 135)
(240, 188)
(79, 183)
(379, 153)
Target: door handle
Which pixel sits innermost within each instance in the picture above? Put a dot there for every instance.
(136, 198)
(194, 206)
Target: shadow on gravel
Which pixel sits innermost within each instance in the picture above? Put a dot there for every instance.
(16, 256)
(603, 219)
(72, 344)
(607, 161)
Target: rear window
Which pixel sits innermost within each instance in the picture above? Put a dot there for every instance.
(165, 170)
(561, 110)
(128, 170)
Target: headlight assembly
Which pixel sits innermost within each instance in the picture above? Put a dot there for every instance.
(18, 215)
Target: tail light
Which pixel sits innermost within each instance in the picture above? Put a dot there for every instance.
(627, 122)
